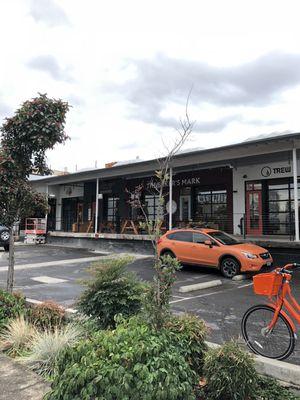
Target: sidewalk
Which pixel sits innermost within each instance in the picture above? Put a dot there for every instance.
(270, 241)
(19, 383)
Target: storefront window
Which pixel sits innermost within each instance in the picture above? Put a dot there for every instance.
(280, 212)
(112, 208)
(211, 207)
(152, 207)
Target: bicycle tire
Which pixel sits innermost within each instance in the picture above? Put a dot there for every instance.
(285, 340)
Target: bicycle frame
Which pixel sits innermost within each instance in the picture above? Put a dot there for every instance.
(281, 301)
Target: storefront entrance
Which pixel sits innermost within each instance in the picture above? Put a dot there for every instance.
(185, 208)
(254, 223)
(72, 210)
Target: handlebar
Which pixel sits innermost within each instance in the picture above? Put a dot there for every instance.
(288, 267)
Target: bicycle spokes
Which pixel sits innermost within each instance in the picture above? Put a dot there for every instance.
(277, 342)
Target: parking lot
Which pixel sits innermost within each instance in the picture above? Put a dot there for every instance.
(51, 272)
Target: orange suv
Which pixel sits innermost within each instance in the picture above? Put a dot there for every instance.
(212, 248)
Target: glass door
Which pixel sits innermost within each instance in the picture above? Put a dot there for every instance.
(185, 208)
(254, 212)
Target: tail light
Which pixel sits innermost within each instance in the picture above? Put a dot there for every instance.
(158, 241)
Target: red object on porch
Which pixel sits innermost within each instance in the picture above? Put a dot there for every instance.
(35, 226)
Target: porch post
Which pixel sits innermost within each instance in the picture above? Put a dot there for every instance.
(46, 215)
(170, 197)
(97, 206)
(296, 201)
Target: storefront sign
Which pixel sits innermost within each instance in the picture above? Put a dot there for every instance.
(268, 171)
(176, 182)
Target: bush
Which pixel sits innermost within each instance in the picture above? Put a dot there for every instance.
(189, 333)
(11, 306)
(269, 389)
(46, 315)
(16, 336)
(46, 346)
(132, 362)
(113, 291)
(230, 373)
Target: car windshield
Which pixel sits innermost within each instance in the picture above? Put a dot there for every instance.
(223, 238)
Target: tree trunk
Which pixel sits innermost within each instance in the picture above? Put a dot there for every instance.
(11, 262)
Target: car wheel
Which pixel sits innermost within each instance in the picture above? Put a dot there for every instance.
(229, 267)
(4, 236)
(6, 247)
(169, 253)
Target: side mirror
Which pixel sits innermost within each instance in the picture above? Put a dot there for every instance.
(208, 243)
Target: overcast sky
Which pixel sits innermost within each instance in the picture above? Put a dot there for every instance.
(126, 67)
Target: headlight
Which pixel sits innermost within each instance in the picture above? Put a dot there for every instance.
(249, 255)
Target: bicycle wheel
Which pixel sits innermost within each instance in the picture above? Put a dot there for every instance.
(278, 343)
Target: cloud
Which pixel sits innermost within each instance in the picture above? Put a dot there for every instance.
(48, 12)
(128, 146)
(5, 110)
(163, 80)
(48, 64)
(75, 100)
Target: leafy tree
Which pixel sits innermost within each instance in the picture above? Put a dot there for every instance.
(37, 126)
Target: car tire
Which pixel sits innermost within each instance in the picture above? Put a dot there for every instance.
(169, 253)
(4, 236)
(229, 267)
(6, 247)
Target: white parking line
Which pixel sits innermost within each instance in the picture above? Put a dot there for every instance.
(54, 263)
(210, 294)
(48, 279)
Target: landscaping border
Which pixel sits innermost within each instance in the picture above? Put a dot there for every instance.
(288, 374)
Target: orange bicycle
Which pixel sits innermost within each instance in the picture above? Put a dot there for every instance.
(269, 329)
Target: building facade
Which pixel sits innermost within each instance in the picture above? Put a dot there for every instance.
(244, 189)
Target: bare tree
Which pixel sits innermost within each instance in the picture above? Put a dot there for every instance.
(165, 267)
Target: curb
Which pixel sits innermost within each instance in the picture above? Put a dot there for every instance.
(283, 371)
(241, 277)
(199, 286)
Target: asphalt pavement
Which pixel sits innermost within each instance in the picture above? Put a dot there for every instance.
(221, 307)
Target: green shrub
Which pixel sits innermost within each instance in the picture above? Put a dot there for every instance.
(11, 306)
(230, 373)
(112, 291)
(132, 362)
(46, 315)
(189, 333)
(89, 325)
(269, 389)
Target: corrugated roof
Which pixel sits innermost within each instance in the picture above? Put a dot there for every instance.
(179, 159)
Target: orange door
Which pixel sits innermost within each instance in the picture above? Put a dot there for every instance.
(254, 213)
(181, 244)
(203, 254)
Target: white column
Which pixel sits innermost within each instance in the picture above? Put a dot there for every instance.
(170, 197)
(46, 216)
(97, 206)
(296, 200)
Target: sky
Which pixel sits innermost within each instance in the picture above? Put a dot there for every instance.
(127, 68)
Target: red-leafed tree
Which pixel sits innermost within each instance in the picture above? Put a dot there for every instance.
(37, 126)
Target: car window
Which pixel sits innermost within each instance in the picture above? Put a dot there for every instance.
(199, 238)
(185, 236)
(224, 238)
